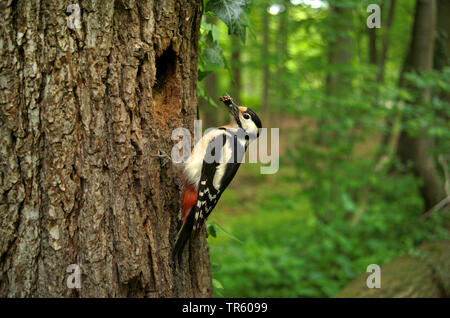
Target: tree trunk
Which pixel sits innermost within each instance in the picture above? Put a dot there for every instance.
(386, 42)
(265, 57)
(416, 150)
(338, 84)
(442, 47)
(442, 50)
(386, 138)
(373, 54)
(236, 66)
(340, 52)
(84, 115)
(209, 114)
(282, 52)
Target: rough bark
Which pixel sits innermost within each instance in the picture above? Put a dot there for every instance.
(84, 114)
(423, 273)
(416, 150)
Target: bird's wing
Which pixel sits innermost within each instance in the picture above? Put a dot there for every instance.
(208, 195)
(192, 222)
(210, 189)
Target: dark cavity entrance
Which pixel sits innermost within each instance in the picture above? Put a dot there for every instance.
(165, 68)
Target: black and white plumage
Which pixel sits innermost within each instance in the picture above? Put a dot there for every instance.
(213, 163)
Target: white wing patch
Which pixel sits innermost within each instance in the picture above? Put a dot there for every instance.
(220, 170)
(193, 166)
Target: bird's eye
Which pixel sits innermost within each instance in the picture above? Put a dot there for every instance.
(246, 116)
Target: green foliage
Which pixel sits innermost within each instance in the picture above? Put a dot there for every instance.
(288, 251)
(232, 13)
(334, 207)
(214, 227)
(210, 56)
(428, 118)
(210, 52)
(217, 286)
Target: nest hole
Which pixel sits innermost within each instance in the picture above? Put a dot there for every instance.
(165, 69)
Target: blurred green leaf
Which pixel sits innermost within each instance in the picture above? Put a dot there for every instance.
(232, 13)
(216, 284)
(211, 230)
(213, 55)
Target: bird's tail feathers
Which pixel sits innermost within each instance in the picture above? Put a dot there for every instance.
(184, 234)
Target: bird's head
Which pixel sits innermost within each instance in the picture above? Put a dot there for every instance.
(243, 117)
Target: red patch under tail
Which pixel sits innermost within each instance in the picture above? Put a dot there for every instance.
(189, 199)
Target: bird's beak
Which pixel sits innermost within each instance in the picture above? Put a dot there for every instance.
(232, 107)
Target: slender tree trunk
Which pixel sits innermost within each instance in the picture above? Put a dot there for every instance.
(387, 136)
(386, 41)
(376, 56)
(442, 51)
(340, 52)
(209, 114)
(236, 66)
(282, 52)
(442, 48)
(442, 60)
(373, 53)
(338, 80)
(416, 150)
(84, 115)
(265, 57)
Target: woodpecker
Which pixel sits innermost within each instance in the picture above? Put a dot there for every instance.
(212, 165)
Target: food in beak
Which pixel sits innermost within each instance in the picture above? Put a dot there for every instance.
(232, 107)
